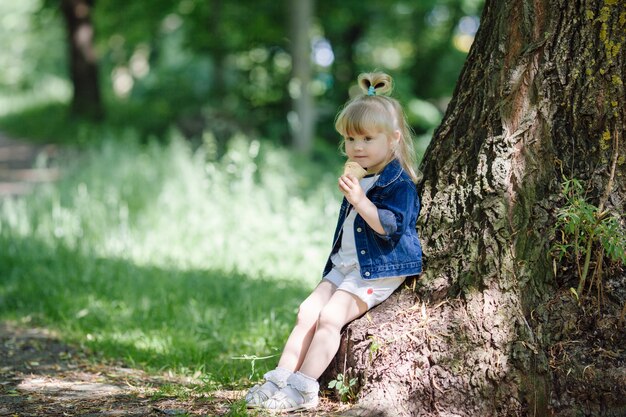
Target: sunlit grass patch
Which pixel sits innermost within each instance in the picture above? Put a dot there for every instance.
(169, 258)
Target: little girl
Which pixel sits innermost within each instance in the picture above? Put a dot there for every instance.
(375, 246)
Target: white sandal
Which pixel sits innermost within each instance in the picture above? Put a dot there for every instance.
(275, 380)
(258, 394)
(283, 402)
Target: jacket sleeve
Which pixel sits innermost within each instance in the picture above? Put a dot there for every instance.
(396, 207)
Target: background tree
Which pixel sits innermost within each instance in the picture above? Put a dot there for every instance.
(492, 327)
(303, 122)
(83, 62)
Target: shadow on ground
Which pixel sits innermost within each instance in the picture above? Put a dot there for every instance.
(41, 376)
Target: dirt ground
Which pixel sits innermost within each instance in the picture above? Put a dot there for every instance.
(587, 354)
(41, 376)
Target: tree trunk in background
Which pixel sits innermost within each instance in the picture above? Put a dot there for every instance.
(87, 101)
(219, 51)
(489, 329)
(302, 118)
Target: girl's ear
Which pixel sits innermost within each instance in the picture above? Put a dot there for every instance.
(396, 136)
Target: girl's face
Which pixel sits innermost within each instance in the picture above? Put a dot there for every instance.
(372, 150)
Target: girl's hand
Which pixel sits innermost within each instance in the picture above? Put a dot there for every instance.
(351, 189)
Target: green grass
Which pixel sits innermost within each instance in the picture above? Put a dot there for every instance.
(167, 258)
(51, 121)
(153, 318)
(47, 122)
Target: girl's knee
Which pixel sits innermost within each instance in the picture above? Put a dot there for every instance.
(329, 318)
(308, 313)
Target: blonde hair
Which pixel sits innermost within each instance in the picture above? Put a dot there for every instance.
(378, 112)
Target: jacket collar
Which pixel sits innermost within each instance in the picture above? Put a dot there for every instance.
(390, 173)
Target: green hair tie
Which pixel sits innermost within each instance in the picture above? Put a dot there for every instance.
(371, 91)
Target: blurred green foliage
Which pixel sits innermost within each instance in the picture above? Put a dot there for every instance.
(224, 67)
(33, 46)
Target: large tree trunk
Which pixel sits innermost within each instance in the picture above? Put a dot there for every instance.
(489, 329)
(87, 100)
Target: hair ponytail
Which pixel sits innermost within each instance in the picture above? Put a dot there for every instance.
(382, 83)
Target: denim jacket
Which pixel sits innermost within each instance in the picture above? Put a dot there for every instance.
(398, 252)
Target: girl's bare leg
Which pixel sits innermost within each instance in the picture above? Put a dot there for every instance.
(341, 309)
(300, 338)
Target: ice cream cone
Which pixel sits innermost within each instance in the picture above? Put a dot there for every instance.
(355, 169)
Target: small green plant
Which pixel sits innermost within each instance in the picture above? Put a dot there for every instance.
(253, 359)
(375, 346)
(583, 229)
(238, 409)
(344, 387)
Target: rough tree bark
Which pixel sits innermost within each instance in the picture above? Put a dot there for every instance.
(490, 329)
(87, 100)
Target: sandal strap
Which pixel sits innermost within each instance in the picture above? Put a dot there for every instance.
(281, 400)
(260, 393)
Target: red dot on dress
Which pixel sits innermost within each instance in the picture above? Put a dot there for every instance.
(370, 291)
